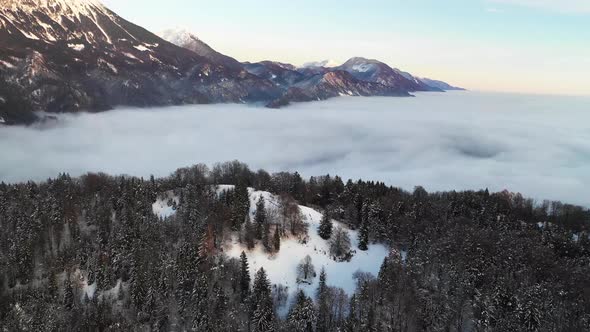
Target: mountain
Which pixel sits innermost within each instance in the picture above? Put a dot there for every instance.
(440, 84)
(333, 84)
(379, 72)
(188, 40)
(74, 55)
(282, 74)
(71, 55)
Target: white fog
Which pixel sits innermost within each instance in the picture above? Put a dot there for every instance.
(536, 145)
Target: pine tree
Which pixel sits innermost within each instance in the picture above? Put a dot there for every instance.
(249, 234)
(266, 240)
(240, 206)
(262, 314)
(325, 229)
(277, 240)
(244, 277)
(322, 303)
(352, 321)
(302, 316)
(260, 218)
(363, 236)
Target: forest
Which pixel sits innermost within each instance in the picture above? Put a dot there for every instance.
(89, 254)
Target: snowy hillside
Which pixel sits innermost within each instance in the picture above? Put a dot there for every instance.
(282, 266)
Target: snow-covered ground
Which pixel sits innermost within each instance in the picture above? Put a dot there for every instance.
(282, 266)
(161, 207)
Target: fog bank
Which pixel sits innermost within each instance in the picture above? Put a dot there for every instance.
(537, 145)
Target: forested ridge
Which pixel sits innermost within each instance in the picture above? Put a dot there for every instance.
(89, 254)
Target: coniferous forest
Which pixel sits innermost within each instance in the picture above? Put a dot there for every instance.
(89, 254)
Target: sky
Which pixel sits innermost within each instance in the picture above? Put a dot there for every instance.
(527, 46)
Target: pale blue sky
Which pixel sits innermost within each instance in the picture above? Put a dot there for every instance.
(539, 46)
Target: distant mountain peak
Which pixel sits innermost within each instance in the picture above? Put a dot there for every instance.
(186, 39)
(179, 36)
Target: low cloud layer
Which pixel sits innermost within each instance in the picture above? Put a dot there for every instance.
(537, 145)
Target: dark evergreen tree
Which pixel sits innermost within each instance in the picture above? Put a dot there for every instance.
(302, 316)
(325, 229)
(260, 218)
(244, 277)
(323, 305)
(277, 240)
(363, 237)
(263, 316)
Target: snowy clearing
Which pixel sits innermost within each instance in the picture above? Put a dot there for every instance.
(163, 208)
(282, 266)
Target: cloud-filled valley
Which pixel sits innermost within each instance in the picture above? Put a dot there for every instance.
(537, 145)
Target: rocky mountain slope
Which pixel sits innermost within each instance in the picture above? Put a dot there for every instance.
(71, 55)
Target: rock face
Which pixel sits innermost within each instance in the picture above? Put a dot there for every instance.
(74, 55)
(71, 55)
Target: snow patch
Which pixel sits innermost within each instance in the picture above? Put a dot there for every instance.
(362, 68)
(141, 48)
(6, 64)
(77, 47)
(163, 207)
(131, 56)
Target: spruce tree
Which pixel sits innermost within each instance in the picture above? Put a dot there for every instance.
(244, 277)
(325, 229)
(249, 234)
(262, 311)
(363, 237)
(322, 303)
(260, 218)
(277, 240)
(302, 316)
(266, 240)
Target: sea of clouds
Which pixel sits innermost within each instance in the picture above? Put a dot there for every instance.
(536, 145)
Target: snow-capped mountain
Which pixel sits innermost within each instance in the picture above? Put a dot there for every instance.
(73, 55)
(70, 55)
(188, 40)
(379, 72)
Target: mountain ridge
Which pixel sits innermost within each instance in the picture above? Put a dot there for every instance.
(78, 55)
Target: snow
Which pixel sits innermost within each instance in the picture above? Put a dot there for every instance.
(131, 56)
(281, 267)
(2, 121)
(77, 47)
(6, 64)
(141, 48)
(112, 293)
(362, 68)
(161, 209)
